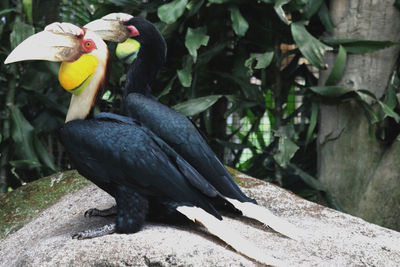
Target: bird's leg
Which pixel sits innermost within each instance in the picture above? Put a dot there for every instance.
(132, 209)
(91, 233)
(161, 210)
(102, 213)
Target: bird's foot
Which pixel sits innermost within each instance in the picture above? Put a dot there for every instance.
(91, 233)
(102, 213)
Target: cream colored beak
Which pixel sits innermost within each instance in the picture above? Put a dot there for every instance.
(110, 27)
(47, 45)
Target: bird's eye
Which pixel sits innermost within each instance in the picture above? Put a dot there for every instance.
(88, 46)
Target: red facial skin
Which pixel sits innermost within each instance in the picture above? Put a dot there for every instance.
(132, 31)
(88, 45)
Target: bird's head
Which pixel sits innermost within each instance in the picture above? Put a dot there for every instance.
(135, 34)
(84, 57)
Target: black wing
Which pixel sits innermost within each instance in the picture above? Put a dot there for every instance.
(176, 130)
(113, 151)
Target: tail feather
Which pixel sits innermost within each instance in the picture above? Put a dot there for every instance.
(266, 217)
(229, 236)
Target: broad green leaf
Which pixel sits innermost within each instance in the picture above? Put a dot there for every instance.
(194, 39)
(291, 102)
(325, 18)
(108, 96)
(185, 74)
(313, 121)
(6, 128)
(167, 88)
(262, 60)
(239, 23)
(372, 116)
(389, 112)
(311, 8)
(121, 2)
(370, 112)
(308, 179)
(312, 49)
(185, 77)
(28, 10)
(219, 1)
(20, 32)
(269, 100)
(385, 108)
(5, 11)
(390, 97)
(286, 150)
(25, 164)
(332, 203)
(338, 67)
(196, 105)
(193, 7)
(210, 52)
(22, 134)
(279, 10)
(170, 12)
(331, 91)
(43, 155)
(357, 46)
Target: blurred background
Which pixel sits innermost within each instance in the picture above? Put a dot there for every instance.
(241, 70)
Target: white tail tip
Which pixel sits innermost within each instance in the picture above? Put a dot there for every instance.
(229, 236)
(266, 217)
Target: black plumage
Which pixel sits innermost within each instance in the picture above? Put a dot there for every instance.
(170, 125)
(147, 178)
(134, 166)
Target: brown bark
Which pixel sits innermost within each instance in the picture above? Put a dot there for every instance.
(353, 165)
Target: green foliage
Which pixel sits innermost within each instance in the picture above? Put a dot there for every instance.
(312, 49)
(357, 46)
(32, 104)
(338, 68)
(194, 39)
(262, 60)
(239, 23)
(170, 12)
(197, 105)
(232, 61)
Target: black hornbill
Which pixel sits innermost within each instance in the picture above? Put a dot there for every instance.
(118, 153)
(145, 50)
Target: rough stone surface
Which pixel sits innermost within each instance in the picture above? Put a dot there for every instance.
(23, 204)
(332, 238)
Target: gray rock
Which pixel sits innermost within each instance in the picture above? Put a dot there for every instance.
(332, 238)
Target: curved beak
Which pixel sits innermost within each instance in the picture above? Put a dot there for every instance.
(110, 27)
(47, 45)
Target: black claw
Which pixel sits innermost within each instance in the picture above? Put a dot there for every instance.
(77, 236)
(102, 213)
(84, 235)
(91, 212)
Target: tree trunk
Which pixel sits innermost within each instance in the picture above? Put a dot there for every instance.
(362, 174)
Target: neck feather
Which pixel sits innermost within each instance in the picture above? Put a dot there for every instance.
(80, 105)
(145, 68)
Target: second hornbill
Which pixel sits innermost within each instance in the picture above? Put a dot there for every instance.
(145, 50)
(145, 176)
